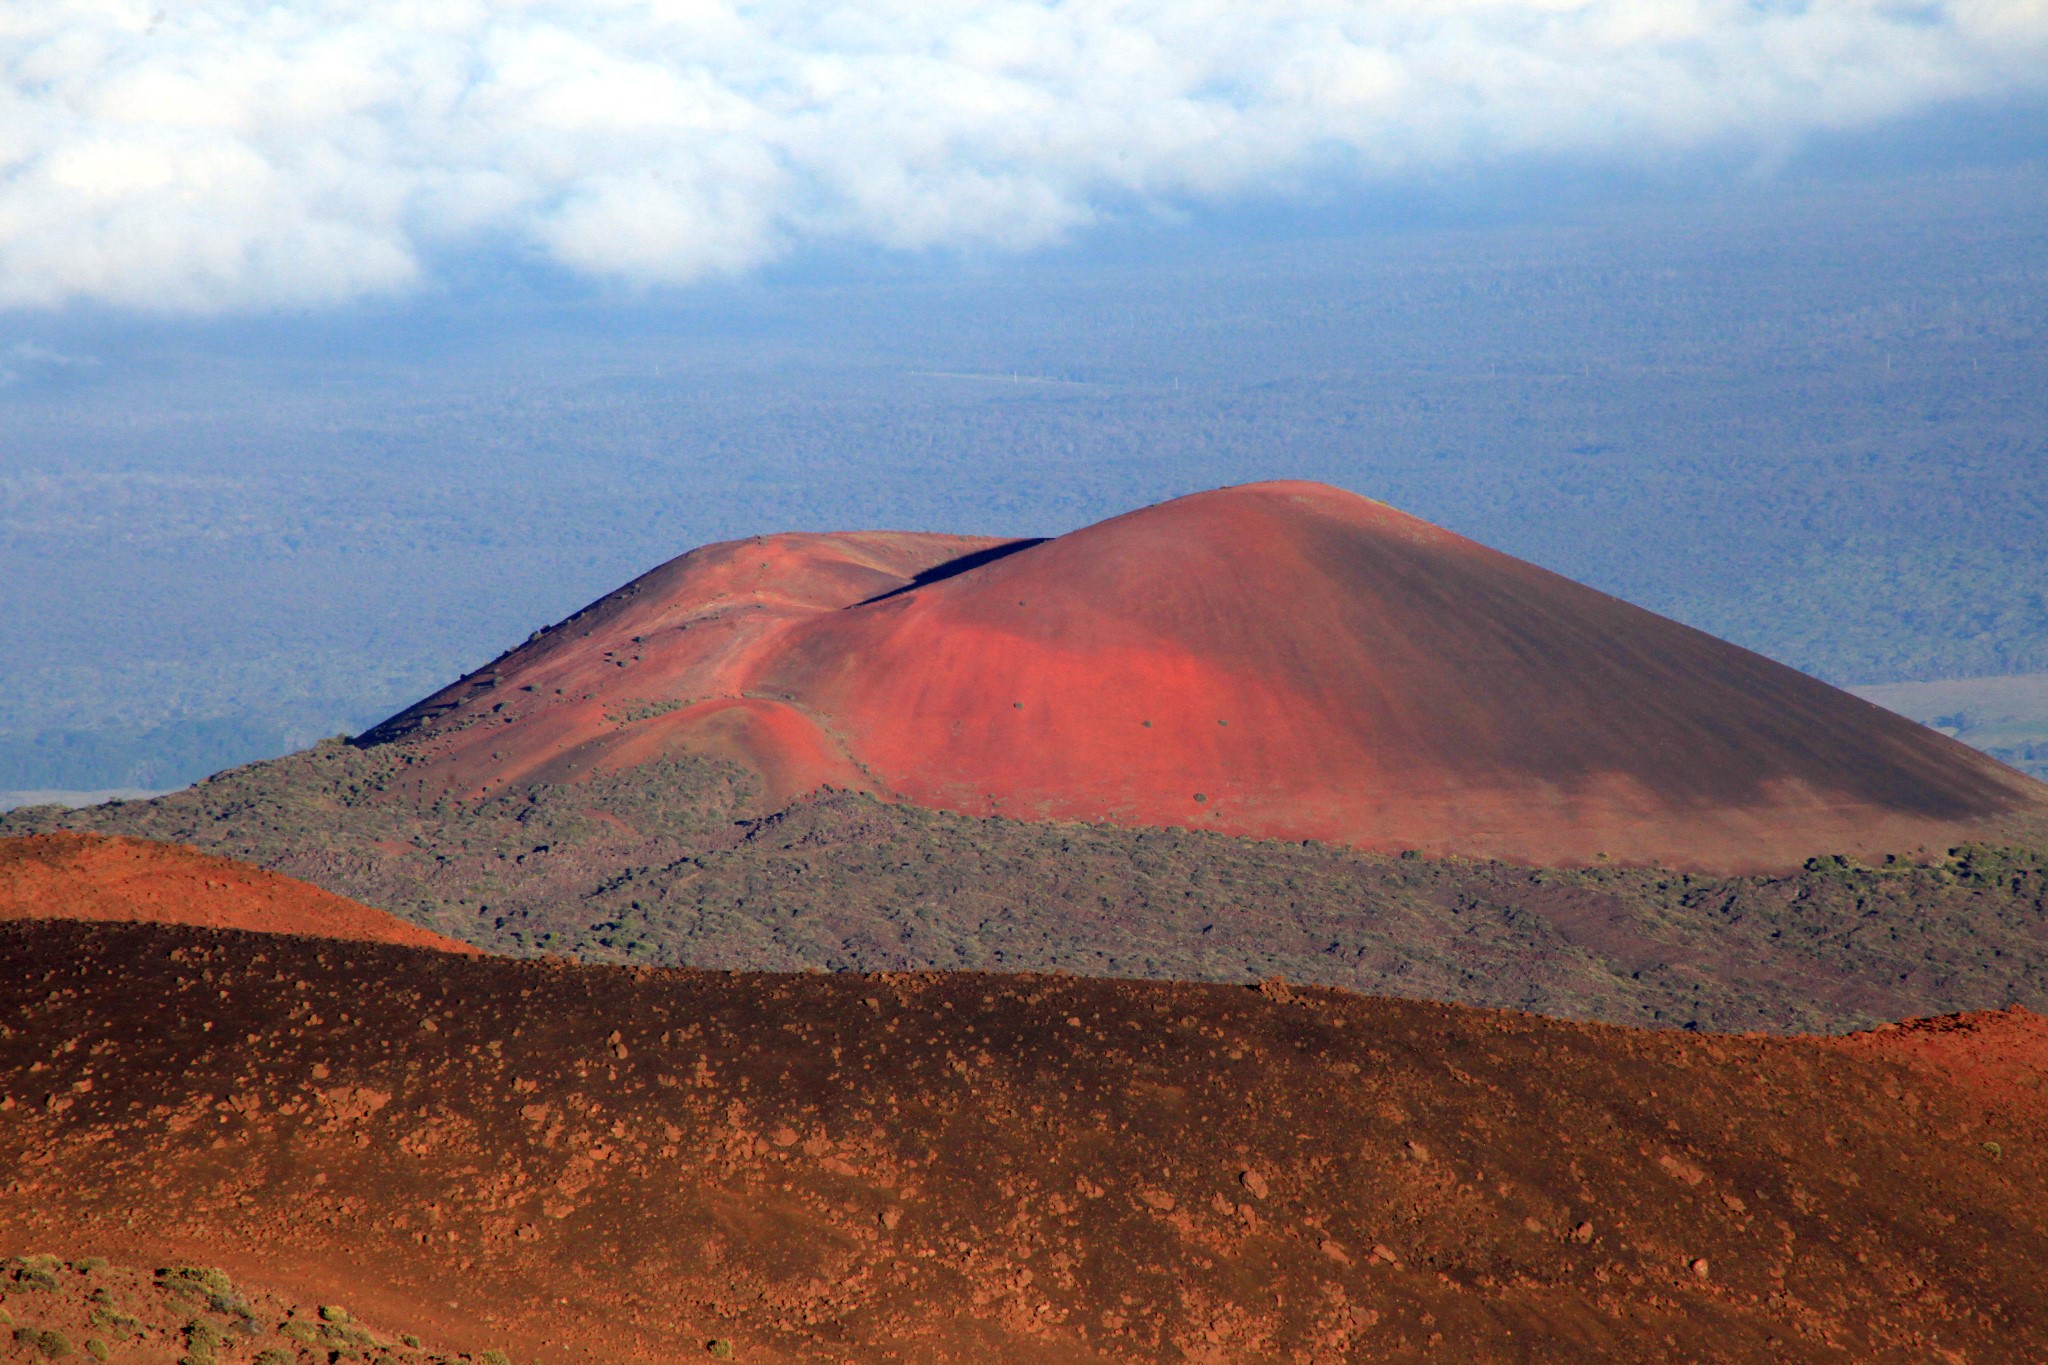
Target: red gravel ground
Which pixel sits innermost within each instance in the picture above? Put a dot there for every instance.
(609, 1164)
(91, 877)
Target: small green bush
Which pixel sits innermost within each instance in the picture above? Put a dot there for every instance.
(719, 1346)
(273, 1355)
(410, 1340)
(305, 1333)
(201, 1339)
(53, 1345)
(346, 1336)
(25, 1274)
(201, 1280)
(230, 1305)
(333, 1312)
(495, 1358)
(96, 1348)
(113, 1321)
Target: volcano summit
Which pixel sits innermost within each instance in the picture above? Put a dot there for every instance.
(1279, 660)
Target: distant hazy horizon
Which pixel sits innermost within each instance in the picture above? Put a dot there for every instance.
(1787, 383)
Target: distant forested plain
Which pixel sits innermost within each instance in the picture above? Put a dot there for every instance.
(1812, 419)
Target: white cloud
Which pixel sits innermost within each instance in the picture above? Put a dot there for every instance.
(228, 154)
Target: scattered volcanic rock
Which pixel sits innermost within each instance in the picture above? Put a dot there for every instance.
(656, 866)
(630, 1164)
(92, 877)
(1280, 660)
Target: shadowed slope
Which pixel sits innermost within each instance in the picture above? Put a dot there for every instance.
(1288, 660)
(90, 877)
(622, 1165)
(1282, 660)
(668, 665)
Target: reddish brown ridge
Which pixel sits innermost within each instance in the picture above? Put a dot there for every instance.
(624, 1165)
(2001, 1056)
(91, 877)
(1277, 660)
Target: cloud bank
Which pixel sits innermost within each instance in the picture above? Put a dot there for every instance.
(206, 155)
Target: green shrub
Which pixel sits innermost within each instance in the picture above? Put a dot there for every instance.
(346, 1335)
(719, 1346)
(230, 1305)
(333, 1312)
(495, 1358)
(410, 1340)
(201, 1339)
(273, 1355)
(204, 1281)
(118, 1322)
(305, 1333)
(96, 1348)
(28, 1272)
(53, 1345)
(1984, 865)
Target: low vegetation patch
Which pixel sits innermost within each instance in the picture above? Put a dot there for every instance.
(671, 865)
(179, 1315)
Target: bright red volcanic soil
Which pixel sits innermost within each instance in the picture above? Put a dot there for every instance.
(90, 877)
(583, 1164)
(1999, 1055)
(1278, 660)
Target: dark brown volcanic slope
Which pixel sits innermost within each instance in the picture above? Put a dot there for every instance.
(1279, 660)
(92, 877)
(622, 1165)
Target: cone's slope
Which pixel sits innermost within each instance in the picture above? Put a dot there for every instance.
(668, 663)
(91, 877)
(1280, 659)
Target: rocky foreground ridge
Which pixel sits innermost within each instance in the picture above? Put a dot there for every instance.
(617, 1163)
